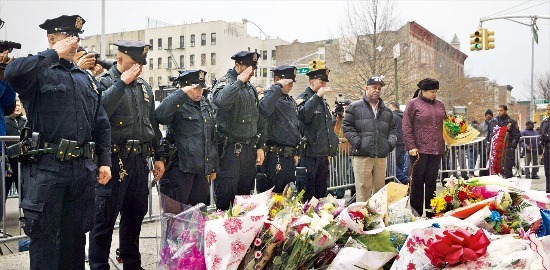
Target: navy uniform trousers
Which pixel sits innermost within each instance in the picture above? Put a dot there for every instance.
(129, 197)
(317, 170)
(278, 179)
(184, 187)
(57, 201)
(236, 174)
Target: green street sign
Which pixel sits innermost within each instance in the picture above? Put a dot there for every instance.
(303, 70)
(541, 101)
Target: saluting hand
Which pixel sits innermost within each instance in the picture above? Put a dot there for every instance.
(287, 85)
(131, 74)
(65, 45)
(246, 75)
(323, 90)
(104, 175)
(158, 170)
(87, 61)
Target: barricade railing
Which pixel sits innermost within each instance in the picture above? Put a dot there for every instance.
(530, 149)
(464, 159)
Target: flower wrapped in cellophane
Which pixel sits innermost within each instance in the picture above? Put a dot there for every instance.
(457, 131)
(182, 236)
(283, 209)
(360, 217)
(457, 194)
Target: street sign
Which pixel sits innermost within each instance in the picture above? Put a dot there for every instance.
(541, 101)
(396, 51)
(303, 70)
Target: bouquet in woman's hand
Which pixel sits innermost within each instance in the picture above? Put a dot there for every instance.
(456, 130)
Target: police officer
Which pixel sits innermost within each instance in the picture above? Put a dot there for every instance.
(279, 110)
(63, 105)
(135, 135)
(240, 127)
(316, 123)
(545, 141)
(512, 139)
(191, 125)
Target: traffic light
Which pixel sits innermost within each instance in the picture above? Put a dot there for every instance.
(476, 41)
(488, 39)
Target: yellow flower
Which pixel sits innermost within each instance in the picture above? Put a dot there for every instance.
(272, 212)
(438, 204)
(277, 199)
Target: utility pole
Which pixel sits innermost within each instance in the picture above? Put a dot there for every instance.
(534, 29)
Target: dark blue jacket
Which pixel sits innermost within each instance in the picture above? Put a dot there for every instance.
(281, 114)
(7, 101)
(316, 123)
(61, 101)
(191, 126)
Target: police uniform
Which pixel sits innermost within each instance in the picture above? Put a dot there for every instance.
(240, 132)
(281, 115)
(545, 141)
(63, 105)
(134, 135)
(192, 129)
(316, 122)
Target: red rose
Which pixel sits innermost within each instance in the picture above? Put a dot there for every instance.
(462, 195)
(448, 198)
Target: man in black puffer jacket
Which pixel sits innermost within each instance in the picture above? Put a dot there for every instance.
(370, 129)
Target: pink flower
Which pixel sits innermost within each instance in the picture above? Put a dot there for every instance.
(257, 241)
(257, 254)
(322, 240)
(210, 238)
(232, 225)
(237, 247)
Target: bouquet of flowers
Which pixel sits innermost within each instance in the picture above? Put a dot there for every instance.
(458, 194)
(457, 131)
(498, 149)
(360, 217)
(182, 236)
(505, 214)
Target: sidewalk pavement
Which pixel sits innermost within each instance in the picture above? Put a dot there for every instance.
(150, 235)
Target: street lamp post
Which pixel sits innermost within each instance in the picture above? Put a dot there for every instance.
(268, 80)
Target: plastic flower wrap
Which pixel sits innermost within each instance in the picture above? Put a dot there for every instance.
(283, 208)
(505, 215)
(360, 218)
(228, 235)
(456, 130)
(182, 236)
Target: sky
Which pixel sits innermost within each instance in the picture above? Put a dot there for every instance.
(508, 64)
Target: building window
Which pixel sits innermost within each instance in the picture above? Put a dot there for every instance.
(159, 43)
(93, 48)
(151, 81)
(213, 59)
(159, 63)
(203, 39)
(169, 61)
(264, 71)
(212, 38)
(192, 60)
(182, 61)
(203, 59)
(264, 55)
(159, 80)
(272, 54)
(248, 49)
(150, 63)
(212, 77)
(192, 40)
(151, 44)
(169, 43)
(182, 42)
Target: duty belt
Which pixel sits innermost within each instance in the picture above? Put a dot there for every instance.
(132, 148)
(67, 150)
(286, 151)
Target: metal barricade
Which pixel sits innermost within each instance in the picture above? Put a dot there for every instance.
(530, 149)
(462, 160)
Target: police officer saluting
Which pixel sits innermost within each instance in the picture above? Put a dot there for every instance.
(316, 122)
(135, 135)
(58, 171)
(191, 125)
(279, 110)
(240, 130)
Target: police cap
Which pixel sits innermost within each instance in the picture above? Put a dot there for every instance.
(137, 50)
(318, 70)
(70, 25)
(428, 84)
(246, 58)
(285, 72)
(373, 80)
(190, 77)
